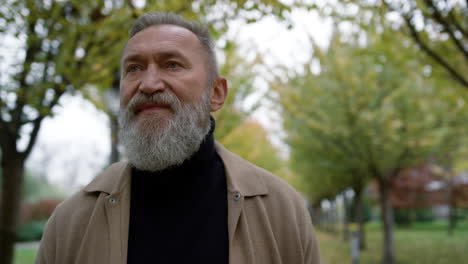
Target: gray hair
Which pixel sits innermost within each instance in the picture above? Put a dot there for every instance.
(201, 31)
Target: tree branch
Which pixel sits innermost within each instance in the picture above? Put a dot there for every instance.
(414, 34)
(457, 76)
(438, 17)
(3, 134)
(38, 121)
(33, 47)
(7, 137)
(456, 23)
(33, 136)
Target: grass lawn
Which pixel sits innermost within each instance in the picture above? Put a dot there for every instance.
(25, 256)
(415, 245)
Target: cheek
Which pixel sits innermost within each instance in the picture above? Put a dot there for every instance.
(197, 86)
(126, 93)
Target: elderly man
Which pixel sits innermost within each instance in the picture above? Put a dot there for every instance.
(181, 197)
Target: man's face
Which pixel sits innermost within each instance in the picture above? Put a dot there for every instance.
(159, 59)
(164, 97)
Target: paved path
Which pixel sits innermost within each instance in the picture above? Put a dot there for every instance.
(27, 245)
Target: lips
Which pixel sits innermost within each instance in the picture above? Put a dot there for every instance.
(148, 108)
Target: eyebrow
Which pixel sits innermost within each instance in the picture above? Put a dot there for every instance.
(132, 57)
(162, 55)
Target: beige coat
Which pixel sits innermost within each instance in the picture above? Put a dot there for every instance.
(267, 220)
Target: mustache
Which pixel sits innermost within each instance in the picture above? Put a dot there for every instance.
(164, 98)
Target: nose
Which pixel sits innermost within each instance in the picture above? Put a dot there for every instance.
(151, 81)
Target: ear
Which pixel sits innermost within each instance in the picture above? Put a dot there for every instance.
(218, 94)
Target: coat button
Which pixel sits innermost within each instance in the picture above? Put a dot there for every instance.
(112, 201)
(237, 196)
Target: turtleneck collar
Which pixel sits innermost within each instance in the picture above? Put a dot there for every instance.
(205, 153)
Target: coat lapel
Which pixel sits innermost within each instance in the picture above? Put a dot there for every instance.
(242, 183)
(114, 188)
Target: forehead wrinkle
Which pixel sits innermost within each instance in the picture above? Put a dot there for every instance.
(132, 57)
(171, 54)
(158, 55)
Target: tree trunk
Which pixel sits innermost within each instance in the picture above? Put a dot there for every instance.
(412, 216)
(326, 219)
(387, 219)
(329, 219)
(319, 215)
(452, 218)
(360, 219)
(333, 217)
(12, 173)
(112, 100)
(346, 233)
(316, 214)
(452, 209)
(114, 127)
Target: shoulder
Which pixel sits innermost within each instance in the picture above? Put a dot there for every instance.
(251, 180)
(69, 222)
(72, 214)
(84, 200)
(262, 189)
(66, 227)
(273, 208)
(280, 199)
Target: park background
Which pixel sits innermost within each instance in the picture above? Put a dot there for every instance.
(360, 105)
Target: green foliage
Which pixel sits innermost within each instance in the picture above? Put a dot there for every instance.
(365, 115)
(234, 130)
(436, 29)
(240, 75)
(31, 231)
(35, 189)
(250, 140)
(405, 217)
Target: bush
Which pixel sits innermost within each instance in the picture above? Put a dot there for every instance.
(31, 231)
(37, 211)
(405, 217)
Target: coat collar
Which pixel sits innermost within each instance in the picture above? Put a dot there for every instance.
(241, 176)
(112, 180)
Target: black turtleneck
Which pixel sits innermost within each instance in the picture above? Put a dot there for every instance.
(179, 215)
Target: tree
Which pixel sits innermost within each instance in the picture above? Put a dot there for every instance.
(241, 76)
(64, 47)
(235, 129)
(439, 28)
(250, 140)
(58, 49)
(366, 115)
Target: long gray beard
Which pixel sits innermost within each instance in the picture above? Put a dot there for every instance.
(154, 143)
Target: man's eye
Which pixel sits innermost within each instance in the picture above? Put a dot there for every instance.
(172, 65)
(133, 68)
